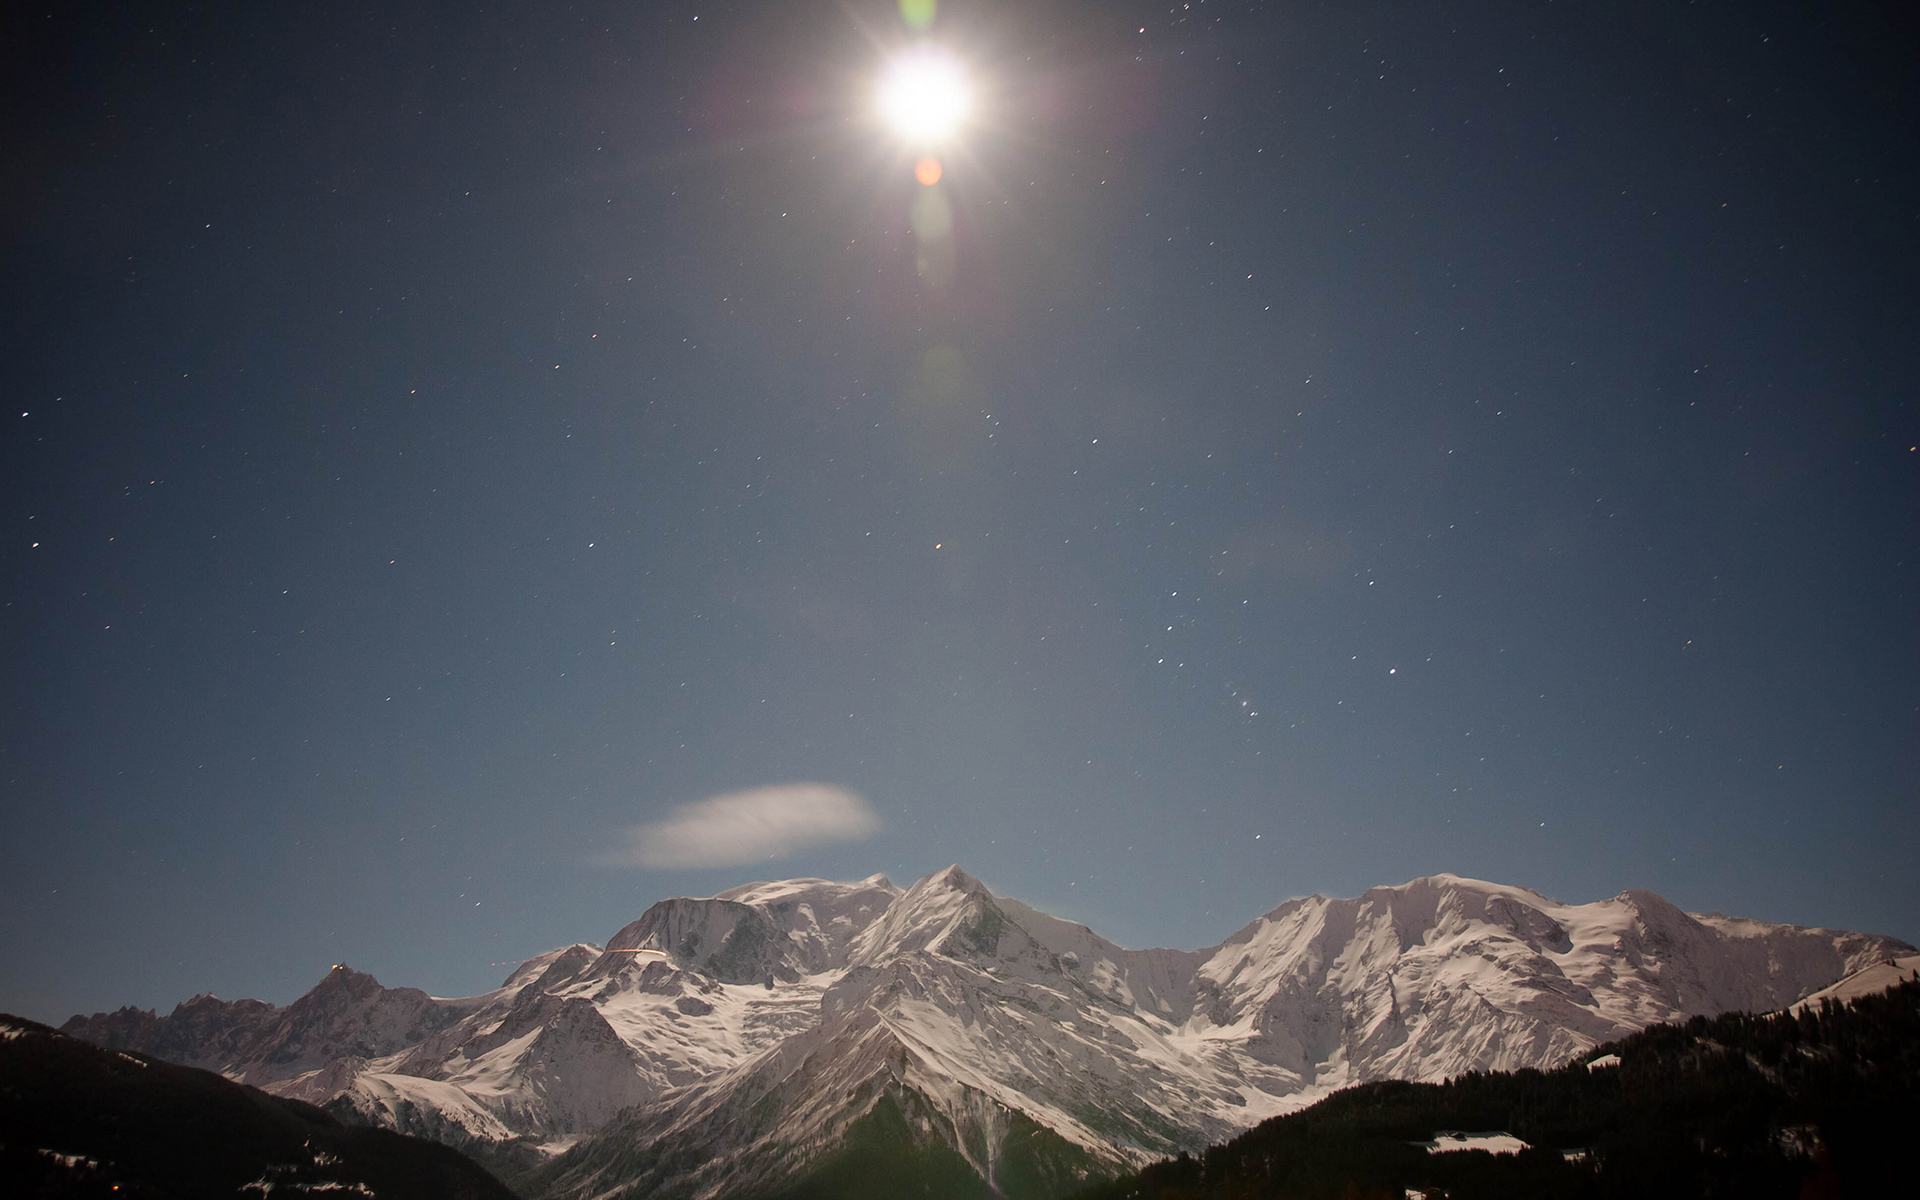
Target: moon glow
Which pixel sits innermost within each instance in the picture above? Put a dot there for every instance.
(924, 95)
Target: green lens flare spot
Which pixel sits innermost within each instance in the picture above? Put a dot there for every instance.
(918, 14)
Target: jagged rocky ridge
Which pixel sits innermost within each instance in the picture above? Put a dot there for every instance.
(735, 1044)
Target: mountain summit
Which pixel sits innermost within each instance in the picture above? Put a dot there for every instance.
(787, 1034)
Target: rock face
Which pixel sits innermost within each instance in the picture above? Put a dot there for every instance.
(782, 1036)
(204, 1032)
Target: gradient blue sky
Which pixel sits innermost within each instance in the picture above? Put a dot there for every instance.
(442, 441)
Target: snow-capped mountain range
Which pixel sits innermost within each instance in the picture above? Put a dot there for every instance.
(733, 1045)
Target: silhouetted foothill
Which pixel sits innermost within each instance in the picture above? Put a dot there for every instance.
(77, 1121)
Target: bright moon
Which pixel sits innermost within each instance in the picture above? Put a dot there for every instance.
(924, 95)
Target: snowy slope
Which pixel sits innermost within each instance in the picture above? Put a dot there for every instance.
(1869, 980)
(743, 1039)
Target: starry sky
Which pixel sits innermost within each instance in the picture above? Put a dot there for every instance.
(1316, 445)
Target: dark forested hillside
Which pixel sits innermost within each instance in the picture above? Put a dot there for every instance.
(1823, 1104)
(80, 1121)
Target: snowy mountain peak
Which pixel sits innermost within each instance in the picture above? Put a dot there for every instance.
(759, 933)
(953, 879)
(941, 906)
(724, 939)
(570, 958)
(775, 891)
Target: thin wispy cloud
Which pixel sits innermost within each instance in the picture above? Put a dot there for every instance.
(750, 826)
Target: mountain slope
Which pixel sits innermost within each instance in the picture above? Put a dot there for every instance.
(1815, 1102)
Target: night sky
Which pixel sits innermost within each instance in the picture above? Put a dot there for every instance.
(1310, 446)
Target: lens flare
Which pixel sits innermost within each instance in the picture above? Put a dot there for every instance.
(927, 171)
(924, 95)
(931, 217)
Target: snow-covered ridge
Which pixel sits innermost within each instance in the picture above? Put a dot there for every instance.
(1869, 980)
(755, 1028)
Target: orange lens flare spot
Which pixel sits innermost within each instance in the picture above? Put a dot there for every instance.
(927, 171)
